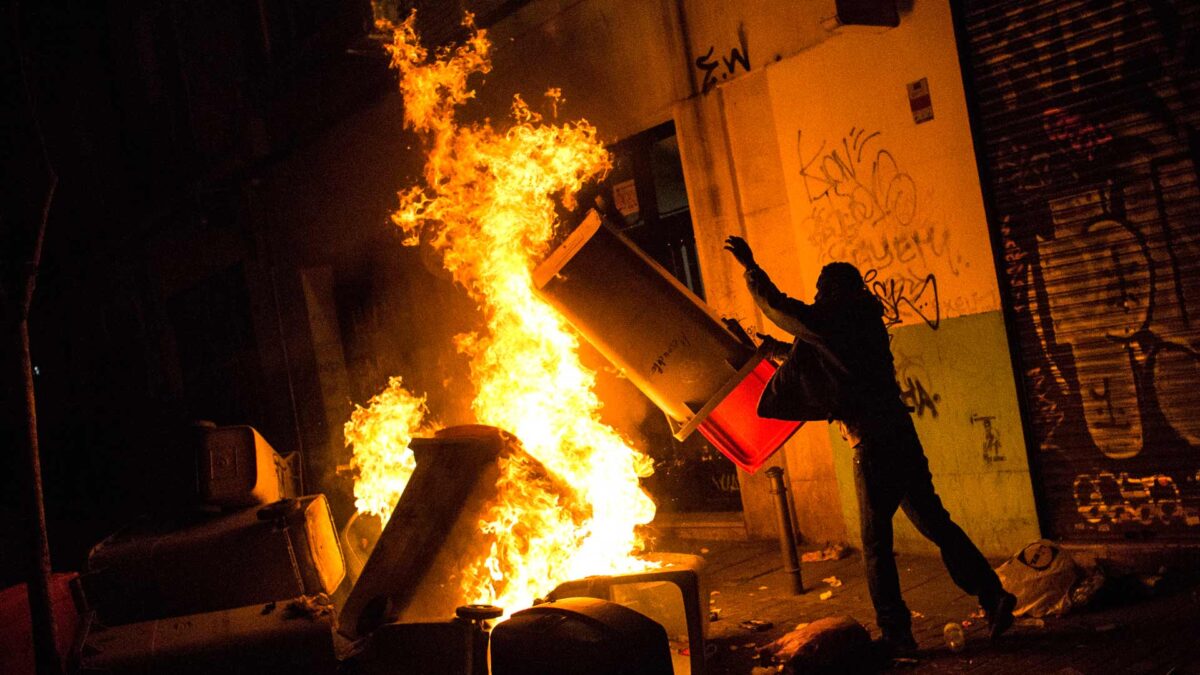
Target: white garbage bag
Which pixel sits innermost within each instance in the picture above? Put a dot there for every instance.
(1041, 575)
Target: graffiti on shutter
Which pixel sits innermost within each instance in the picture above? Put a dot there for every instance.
(1090, 119)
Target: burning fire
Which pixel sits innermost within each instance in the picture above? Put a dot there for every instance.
(380, 435)
(488, 207)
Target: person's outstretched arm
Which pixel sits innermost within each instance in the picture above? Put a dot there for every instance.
(786, 312)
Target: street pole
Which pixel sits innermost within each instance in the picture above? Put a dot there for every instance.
(787, 535)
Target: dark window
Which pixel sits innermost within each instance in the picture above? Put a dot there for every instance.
(649, 192)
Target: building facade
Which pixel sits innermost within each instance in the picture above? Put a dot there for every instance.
(1019, 185)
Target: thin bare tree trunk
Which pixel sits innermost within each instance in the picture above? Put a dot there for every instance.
(15, 303)
(41, 612)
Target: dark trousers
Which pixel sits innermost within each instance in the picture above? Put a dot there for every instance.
(890, 472)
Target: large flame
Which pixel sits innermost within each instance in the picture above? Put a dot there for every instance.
(489, 206)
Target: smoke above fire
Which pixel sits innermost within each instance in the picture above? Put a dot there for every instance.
(488, 205)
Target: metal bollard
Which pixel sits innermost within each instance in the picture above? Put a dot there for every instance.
(787, 536)
(477, 617)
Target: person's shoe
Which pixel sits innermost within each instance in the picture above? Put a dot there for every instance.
(898, 643)
(1000, 613)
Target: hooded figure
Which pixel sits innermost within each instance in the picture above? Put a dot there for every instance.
(839, 367)
(840, 364)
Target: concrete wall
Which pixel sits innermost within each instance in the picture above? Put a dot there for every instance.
(968, 422)
(621, 65)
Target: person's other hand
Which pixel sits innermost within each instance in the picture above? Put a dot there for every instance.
(769, 339)
(771, 347)
(741, 251)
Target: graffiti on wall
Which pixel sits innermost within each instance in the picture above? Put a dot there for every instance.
(916, 386)
(897, 294)
(1106, 499)
(1097, 210)
(717, 68)
(991, 438)
(865, 211)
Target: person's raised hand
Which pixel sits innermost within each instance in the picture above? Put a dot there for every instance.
(741, 251)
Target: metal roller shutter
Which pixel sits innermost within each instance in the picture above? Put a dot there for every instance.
(1089, 118)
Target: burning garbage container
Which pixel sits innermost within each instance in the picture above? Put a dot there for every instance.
(415, 572)
(665, 340)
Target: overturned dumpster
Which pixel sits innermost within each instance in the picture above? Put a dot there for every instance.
(703, 372)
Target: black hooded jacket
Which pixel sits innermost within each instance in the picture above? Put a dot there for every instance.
(848, 324)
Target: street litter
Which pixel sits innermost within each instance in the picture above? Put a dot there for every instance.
(826, 595)
(756, 625)
(831, 552)
(834, 582)
(833, 644)
(1047, 581)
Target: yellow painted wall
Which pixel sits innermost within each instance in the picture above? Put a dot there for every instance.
(869, 185)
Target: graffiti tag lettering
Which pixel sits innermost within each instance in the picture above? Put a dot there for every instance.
(895, 294)
(660, 364)
(1117, 498)
(709, 66)
(991, 438)
(915, 387)
(864, 210)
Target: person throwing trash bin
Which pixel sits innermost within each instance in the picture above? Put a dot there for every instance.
(839, 368)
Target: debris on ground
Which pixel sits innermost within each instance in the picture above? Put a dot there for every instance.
(756, 625)
(762, 588)
(830, 552)
(826, 595)
(308, 606)
(833, 582)
(833, 642)
(915, 614)
(714, 614)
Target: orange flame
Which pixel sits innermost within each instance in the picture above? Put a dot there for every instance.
(380, 434)
(488, 207)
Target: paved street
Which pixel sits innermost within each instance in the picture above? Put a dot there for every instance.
(1152, 635)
